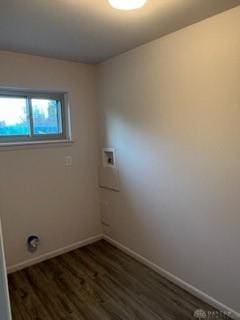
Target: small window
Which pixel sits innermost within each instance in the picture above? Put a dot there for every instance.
(29, 117)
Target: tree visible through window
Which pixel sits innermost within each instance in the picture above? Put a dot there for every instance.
(25, 117)
(46, 116)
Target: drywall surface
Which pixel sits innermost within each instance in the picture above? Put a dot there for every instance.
(171, 109)
(38, 194)
(4, 308)
(4, 295)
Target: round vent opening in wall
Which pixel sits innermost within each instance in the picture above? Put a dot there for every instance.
(33, 242)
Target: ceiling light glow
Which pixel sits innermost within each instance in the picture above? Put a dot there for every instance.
(127, 4)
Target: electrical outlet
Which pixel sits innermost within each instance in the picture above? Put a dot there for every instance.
(68, 161)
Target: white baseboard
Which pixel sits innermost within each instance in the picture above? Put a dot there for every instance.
(53, 254)
(194, 291)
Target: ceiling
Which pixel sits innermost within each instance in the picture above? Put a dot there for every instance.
(90, 30)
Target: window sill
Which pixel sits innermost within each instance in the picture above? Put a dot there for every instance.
(34, 144)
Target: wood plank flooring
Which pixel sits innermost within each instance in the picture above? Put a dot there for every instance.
(97, 282)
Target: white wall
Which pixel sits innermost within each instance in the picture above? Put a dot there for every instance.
(38, 194)
(171, 109)
(4, 295)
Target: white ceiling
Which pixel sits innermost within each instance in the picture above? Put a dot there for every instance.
(90, 30)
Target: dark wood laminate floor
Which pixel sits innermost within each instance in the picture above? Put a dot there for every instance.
(97, 282)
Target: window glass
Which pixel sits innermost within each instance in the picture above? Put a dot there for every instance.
(47, 119)
(14, 116)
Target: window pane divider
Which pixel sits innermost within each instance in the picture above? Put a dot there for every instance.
(29, 103)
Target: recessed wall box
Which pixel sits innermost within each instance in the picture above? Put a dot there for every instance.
(108, 171)
(108, 157)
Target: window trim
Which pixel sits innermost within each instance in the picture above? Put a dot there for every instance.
(31, 139)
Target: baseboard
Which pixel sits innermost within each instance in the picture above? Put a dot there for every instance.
(186, 286)
(53, 254)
